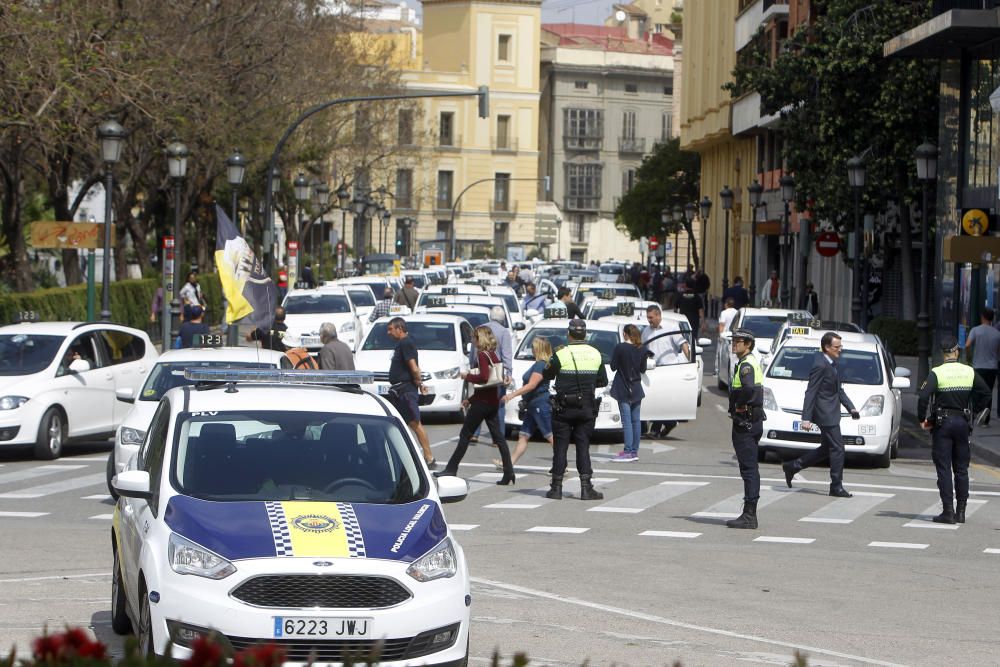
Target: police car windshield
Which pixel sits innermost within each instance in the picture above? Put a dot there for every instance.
(431, 336)
(604, 341)
(276, 455)
(316, 304)
(855, 366)
(764, 326)
(361, 297)
(21, 354)
(166, 376)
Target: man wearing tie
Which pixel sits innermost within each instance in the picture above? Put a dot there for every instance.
(824, 396)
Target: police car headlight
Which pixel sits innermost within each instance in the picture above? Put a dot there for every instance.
(437, 563)
(448, 373)
(873, 406)
(186, 557)
(131, 436)
(12, 402)
(769, 402)
(347, 326)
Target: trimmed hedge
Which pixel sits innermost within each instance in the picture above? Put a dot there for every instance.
(900, 336)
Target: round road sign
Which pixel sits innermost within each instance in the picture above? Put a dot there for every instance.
(654, 243)
(827, 244)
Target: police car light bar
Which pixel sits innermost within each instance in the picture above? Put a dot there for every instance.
(278, 376)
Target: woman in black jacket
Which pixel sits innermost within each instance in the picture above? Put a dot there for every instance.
(628, 360)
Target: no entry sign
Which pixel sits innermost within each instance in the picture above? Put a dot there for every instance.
(827, 244)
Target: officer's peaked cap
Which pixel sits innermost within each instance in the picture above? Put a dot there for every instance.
(949, 343)
(576, 325)
(743, 334)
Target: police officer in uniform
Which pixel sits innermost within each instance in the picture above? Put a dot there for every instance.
(746, 401)
(948, 398)
(577, 369)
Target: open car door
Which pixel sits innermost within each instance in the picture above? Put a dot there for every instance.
(671, 387)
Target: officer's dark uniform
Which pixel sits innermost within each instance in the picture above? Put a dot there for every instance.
(577, 369)
(746, 400)
(957, 393)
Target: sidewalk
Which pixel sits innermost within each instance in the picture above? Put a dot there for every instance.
(985, 441)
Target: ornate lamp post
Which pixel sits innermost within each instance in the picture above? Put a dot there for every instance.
(787, 184)
(344, 204)
(177, 155)
(236, 168)
(690, 209)
(321, 191)
(705, 206)
(755, 191)
(678, 215)
(665, 218)
(926, 156)
(302, 188)
(726, 195)
(111, 135)
(856, 177)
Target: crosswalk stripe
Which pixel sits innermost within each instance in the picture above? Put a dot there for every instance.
(898, 545)
(483, 480)
(97, 496)
(733, 505)
(785, 540)
(844, 511)
(535, 498)
(463, 526)
(58, 487)
(669, 533)
(98, 459)
(991, 551)
(103, 517)
(22, 515)
(643, 499)
(926, 518)
(557, 529)
(37, 471)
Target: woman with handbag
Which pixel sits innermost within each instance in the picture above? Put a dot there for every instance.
(628, 360)
(536, 410)
(483, 405)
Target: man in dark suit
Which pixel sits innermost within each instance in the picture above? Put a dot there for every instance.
(824, 396)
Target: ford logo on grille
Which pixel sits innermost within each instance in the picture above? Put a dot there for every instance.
(322, 563)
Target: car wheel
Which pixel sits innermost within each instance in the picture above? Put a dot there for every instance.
(720, 384)
(120, 622)
(699, 399)
(895, 448)
(111, 475)
(51, 433)
(145, 631)
(884, 459)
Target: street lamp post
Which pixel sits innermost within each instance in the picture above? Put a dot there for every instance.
(677, 213)
(926, 156)
(666, 216)
(726, 195)
(755, 190)
(236, 167)
(787, 184)
(689, 212)
(343, 203)
(302, 187)
(856, 178)
(322, 193)
(385, 215)
(111, 135)
(177, 156)
(706, 209)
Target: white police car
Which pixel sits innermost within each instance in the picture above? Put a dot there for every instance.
(765, 323)
(868, 377)
(167, 373)
(58, 381)
(313, 525)
(307, 309)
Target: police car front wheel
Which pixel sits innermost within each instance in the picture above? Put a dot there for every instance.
(51, 433)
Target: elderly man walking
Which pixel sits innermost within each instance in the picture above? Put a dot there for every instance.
(335, 355)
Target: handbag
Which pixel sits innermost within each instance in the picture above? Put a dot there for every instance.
(496, 376)
(522, 410)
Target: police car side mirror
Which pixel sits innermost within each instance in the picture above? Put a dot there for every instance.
(79, 366)
(519, 326)
(705, 342)
(125, 395)
(698, 349)
(451, 489)
(900, 383)
(132, 484)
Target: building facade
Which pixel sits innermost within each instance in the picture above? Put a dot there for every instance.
(606, 100)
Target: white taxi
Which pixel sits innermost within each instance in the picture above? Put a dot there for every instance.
(307, 309)
(868, 377)
(167, 373)
(765, 323)
(58, 381)
(443, 341)
(363, 299)
(604, 291)
(313, 525)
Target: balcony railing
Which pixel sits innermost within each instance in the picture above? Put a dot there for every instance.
(504, 145)
(583, 142)
(452, 143)
(503, 208)
(752, 15)
(583, 203)
(631, 144)
(442, 203)
(404, 203)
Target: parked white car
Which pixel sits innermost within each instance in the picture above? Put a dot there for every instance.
(363, 299)
(58, 381)
(306, 310)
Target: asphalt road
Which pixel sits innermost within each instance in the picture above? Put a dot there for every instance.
(647, 576)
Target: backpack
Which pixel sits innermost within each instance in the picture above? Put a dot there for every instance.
(299, 359)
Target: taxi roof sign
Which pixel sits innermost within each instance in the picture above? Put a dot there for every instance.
(555, 312)
(278, 376)
(25, 316)
(208, 340)
(449, 290)
(436, 301)
(626, 308)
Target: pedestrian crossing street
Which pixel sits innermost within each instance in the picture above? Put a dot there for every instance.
(643, 504)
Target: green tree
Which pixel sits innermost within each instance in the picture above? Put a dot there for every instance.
(668, 177)
(839, 97)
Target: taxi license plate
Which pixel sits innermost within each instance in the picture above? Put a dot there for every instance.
(304, 626)
(310, 340)
(383, 389)
(797, 426)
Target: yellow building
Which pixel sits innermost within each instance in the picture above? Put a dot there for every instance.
(488, 166)
(705, 127)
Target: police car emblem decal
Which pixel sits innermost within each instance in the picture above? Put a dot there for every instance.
(315, 523)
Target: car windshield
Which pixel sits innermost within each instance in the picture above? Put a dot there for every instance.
(612, 268)
(418, 280)
(619, 290)
(277, 455)
(432, 336)
(21, 354)
(474, 318)
(854, 366)
(764, 326)
(509, 299)
(361, 297)
(604, 341)
(316, 304)
(167, 375)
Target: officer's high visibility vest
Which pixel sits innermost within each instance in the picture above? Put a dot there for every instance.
(953, 376)
(758, 374)
(578, 363)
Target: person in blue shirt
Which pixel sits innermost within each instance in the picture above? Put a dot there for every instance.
(532, 299)
(535, 390)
